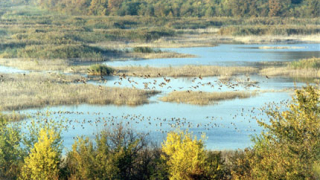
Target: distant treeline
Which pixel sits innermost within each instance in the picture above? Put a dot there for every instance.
(185, 8)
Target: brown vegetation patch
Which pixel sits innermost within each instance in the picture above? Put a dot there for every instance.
(290, 72)
(204, 98)
(40, 90)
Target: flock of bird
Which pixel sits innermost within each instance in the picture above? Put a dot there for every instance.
(241, 122)
(172, 84)
(77, 122)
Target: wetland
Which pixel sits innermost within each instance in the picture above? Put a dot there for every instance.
(88, 77)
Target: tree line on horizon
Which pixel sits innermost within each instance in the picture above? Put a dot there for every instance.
(184, 8)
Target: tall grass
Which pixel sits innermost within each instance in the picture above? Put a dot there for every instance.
(37, 90)
(36, 64)
(313, 63)
(308, 68)
(204, 98)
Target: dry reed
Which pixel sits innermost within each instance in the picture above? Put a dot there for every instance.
(204, 98)
(36, 65)
(291, 72)
(39, 90)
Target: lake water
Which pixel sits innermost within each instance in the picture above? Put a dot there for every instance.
(227, 124)
(230, 55)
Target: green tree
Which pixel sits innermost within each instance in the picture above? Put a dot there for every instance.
(120, 154)
(274, 7)
(289, 146)
(11, 154)
(209, 12)
(313, 9)
(98, 7)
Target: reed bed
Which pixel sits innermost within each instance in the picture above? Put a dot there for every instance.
(39, 90)
(290, 72)
(313, 63)
(186, 71)
(36, 65)
(205, 98)
(308, 68)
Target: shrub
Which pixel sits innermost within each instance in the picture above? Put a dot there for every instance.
(100, 70)
(185, 156)
(120, 154)
(145, 50)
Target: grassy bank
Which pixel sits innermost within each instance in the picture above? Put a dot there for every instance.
(40, 90)
(204, 98)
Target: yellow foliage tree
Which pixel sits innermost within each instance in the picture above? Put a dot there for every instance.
(43, 161)
(185, 156)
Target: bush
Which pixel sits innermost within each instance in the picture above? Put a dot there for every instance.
(100, 70)
(120, 154)
(145, 50)
(186, 158)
